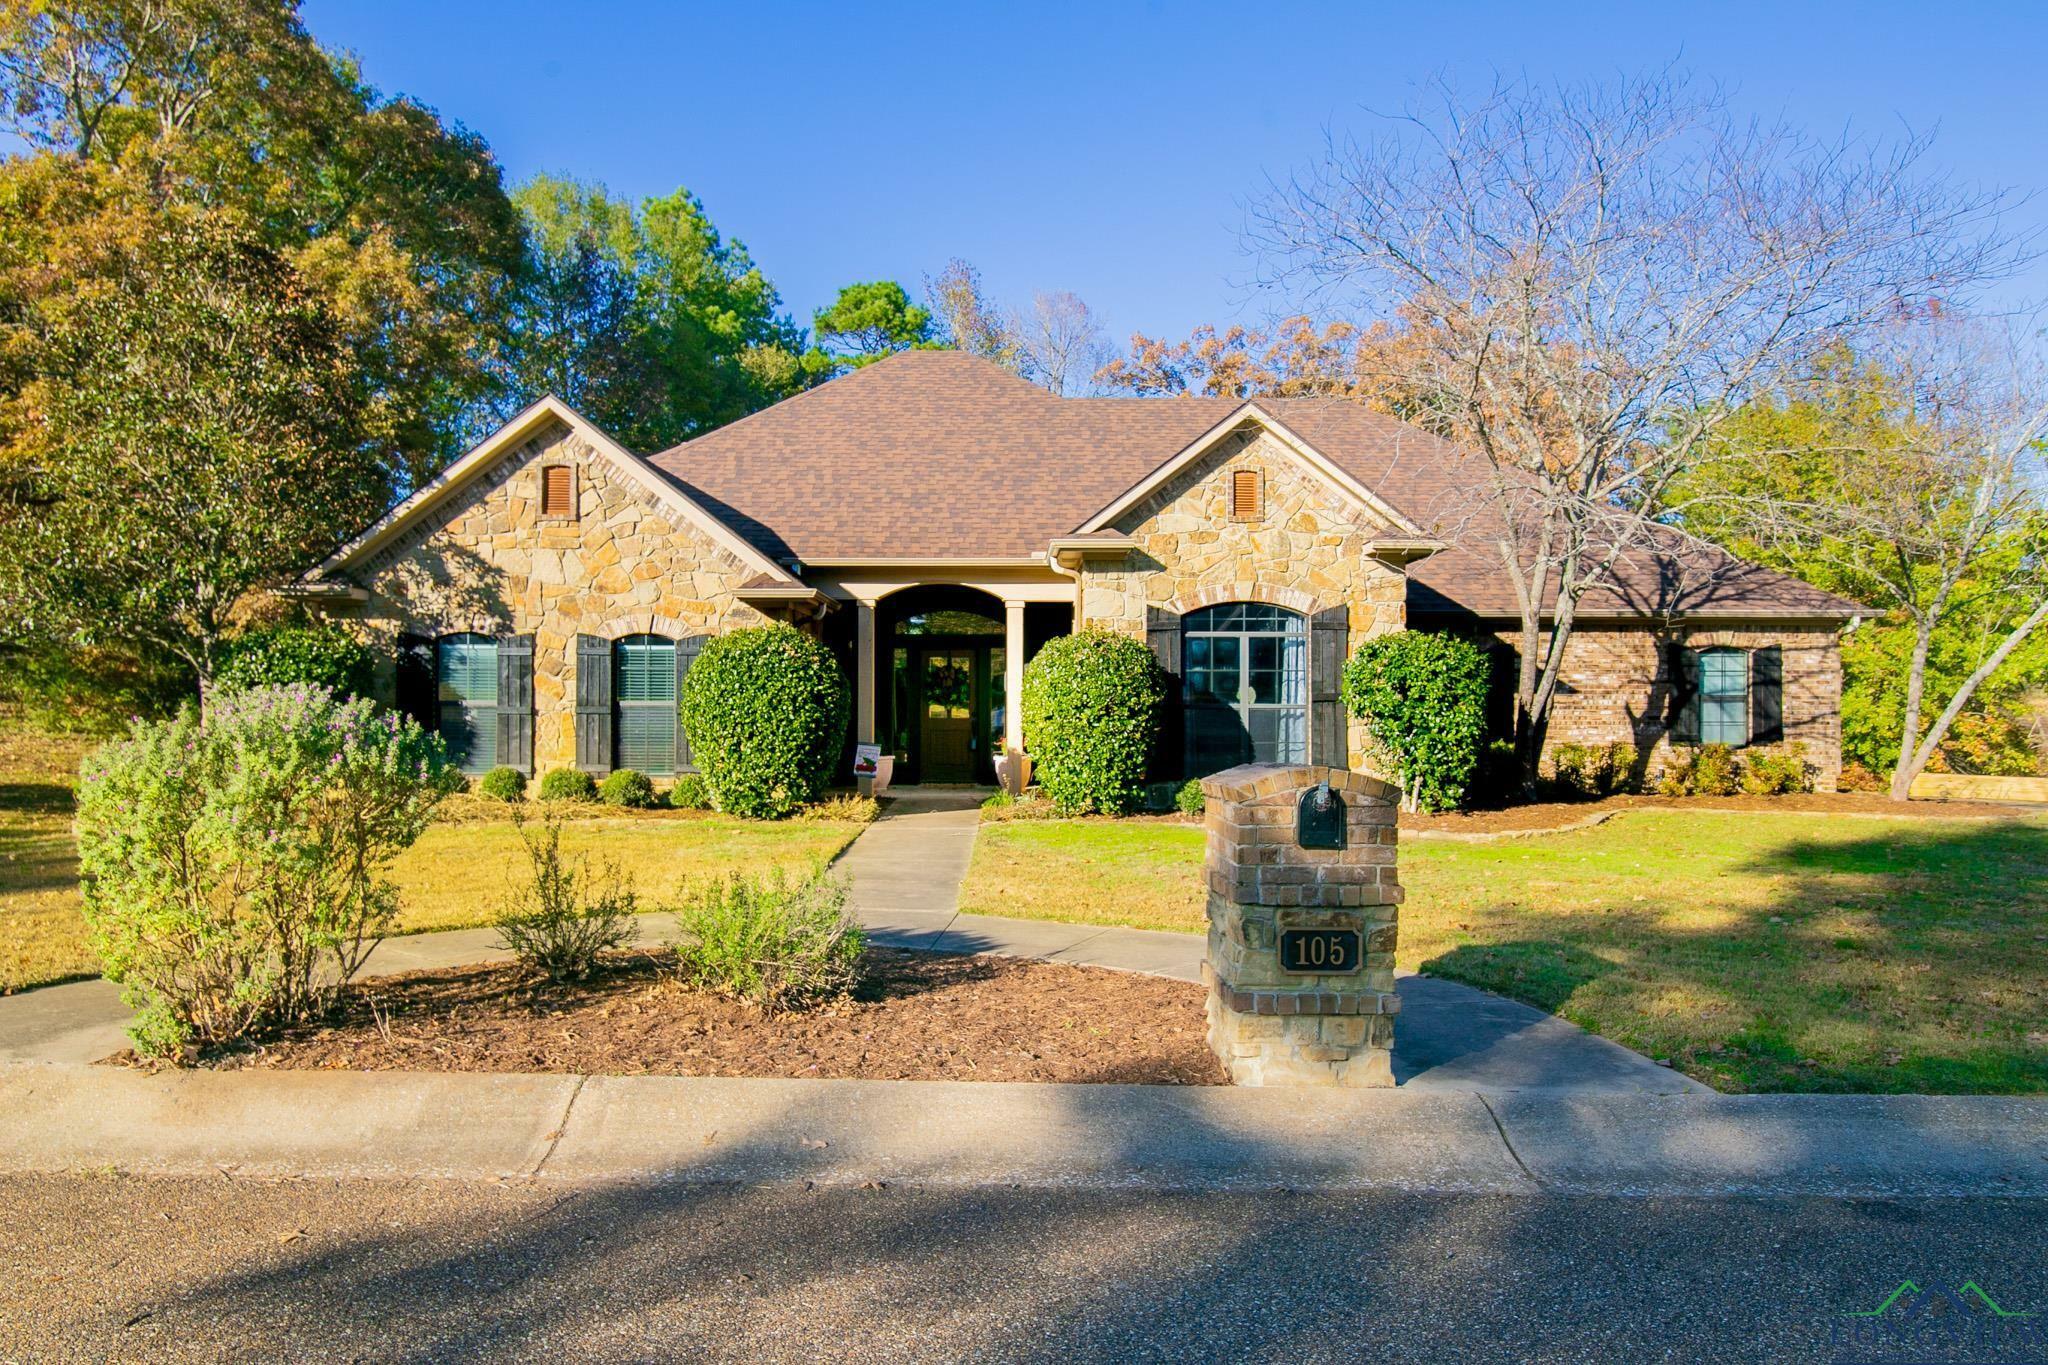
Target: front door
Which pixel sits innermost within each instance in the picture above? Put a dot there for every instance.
(946, 723)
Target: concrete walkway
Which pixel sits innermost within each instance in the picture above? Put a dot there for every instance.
(660, 1129)
(906, 871)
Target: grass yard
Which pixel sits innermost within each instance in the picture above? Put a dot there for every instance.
(1757, 952)
(456, 876)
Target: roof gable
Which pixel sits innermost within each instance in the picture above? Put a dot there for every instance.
(481, 458)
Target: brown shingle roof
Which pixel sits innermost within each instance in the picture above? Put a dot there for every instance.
(939, 454)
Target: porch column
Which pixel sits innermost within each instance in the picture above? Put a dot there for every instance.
(864, 680)
(1013, 690)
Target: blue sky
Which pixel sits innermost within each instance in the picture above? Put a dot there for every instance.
(1108, 148)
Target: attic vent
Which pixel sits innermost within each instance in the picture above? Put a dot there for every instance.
(1247, 495)
(557, 491)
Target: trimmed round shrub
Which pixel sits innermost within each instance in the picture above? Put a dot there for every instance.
(568, 784)
(766, 710)
(1092, 704)
(234, 867)
(502, 784)
(627, 787)
(1190, 799)
(1422, 697)
(325, 655)
(690, 792)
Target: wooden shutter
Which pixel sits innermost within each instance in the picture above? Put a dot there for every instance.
(415, 696)
(515, 702)
(1162, 633)
(1683, 720)
(557, 490)
(1247, 501)
(594, 704)
(1329, 645)
(1767, 695)
(686, 654)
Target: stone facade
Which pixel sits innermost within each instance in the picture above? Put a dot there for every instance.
(488, 561)
(1617, 687)
(1269, 1026)
(1307, 551)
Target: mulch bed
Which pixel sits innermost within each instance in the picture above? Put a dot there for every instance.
(916, 1016)
(1558, 814)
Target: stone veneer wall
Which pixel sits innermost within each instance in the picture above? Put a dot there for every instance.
(1620, 689)
(625, 564)
(1271, 1027)
(1306, 553)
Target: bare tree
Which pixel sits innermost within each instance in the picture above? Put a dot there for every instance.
(1933, 506)
(968, 320)
(1062, 342)
(1595, 277)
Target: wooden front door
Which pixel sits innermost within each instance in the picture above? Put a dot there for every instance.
(946, 724)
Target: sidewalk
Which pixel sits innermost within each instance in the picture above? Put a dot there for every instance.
(656, 1129)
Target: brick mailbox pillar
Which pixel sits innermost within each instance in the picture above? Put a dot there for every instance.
(1303, 902)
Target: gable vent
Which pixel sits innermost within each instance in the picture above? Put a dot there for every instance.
(1247, 495)
(557, 491)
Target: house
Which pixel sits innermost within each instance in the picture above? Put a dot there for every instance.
(935, 519)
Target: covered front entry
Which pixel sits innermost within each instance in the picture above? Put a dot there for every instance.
(946, 656)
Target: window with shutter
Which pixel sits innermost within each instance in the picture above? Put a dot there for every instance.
(557, 491)
(1247, 495)
(644, 692)
(466, 673)
(1724, 697)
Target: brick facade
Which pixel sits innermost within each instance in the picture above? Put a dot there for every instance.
(1270, 1026)
(1617, 686)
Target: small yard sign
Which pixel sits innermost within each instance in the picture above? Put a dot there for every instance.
(866, 758)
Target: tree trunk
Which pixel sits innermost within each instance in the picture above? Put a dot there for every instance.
(1914, 758)
(1904, 771)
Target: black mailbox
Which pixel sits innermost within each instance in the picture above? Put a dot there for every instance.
(1319, 818)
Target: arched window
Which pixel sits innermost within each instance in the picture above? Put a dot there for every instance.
(1245, 669)
(466, 676)
(644, 697)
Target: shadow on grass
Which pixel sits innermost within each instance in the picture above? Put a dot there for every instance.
(37, 798)
(1912, 958)
(1537, 972)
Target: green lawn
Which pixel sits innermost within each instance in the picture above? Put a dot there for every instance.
(456, 876)
(1757, 952)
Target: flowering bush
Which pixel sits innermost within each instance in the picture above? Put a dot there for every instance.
(233, 864)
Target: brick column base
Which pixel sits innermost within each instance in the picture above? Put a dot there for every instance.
(1268, 1025)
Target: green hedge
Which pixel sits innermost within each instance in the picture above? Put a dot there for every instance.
(567, 784)
(1092, 705)
(766, 710)
(1422, 697)
(279, 656)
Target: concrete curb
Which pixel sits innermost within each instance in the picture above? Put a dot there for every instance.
(578, 1130)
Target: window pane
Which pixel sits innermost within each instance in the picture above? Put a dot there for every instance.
(1294, 671)
(646, 669)
(471, 734)
(1724, 720)
(468, 669)
(1724, 673)
(1264, 673)
(647, 737)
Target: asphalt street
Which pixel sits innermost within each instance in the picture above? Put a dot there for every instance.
(118, 1267)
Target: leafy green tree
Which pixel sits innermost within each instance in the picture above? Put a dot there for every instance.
(644, 318)
(1910, 479)
(864, 324)
(192, 431)
(398, 223)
